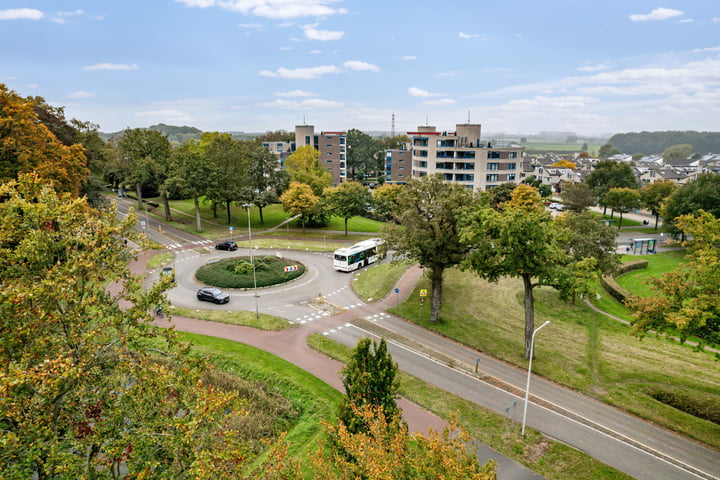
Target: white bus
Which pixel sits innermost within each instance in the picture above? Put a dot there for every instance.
(363, 253)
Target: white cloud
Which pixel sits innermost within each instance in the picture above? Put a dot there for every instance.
(21, 14)
(61, 16)
(285, 49)
(323, 35)
(301, 73)
(450, 73)
(687, 20)
(315, 52)
(708, 49)
(471, 35)
(250, 26)
(593, 68)
(32, 85)
(272, 8)
(111, 66)
(81, 94)
(320, 103)
(439, 102)
(409, 57)
(657, 14)
(363, 66)
(416, 92)
(295, 93)
(305, 104)
(716, 19)
(166, 116)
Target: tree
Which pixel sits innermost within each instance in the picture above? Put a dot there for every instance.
(363, 154)
(610, 174)
(304, 167)
(622, 200)
(522, 241)
(229, 159)
(145, 156)
(387, 451)
(82, 393)
(608, 150)
(577, 197)
(369, 378)
(653, 196)
(26, 145)
(703, 193)
(428, 229)
(584, 237)
(299, 199)
(501, 194)
(677, 152)
(563, 164)
(265, 181)
(686, 300)
(347, 200)
(584, 148)
(385, 199)
(193, 174)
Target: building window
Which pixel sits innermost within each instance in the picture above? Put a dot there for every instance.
(421, 153)
(468, 155)
(444, 165)
(511, 166)
(491, 177)
(342, 140)
(512, 155)
(422, 164)
(493, 154)
(511, 177)
(420, 142)
(448, 177)
(493, 166)
(464, 177)
(445, 154)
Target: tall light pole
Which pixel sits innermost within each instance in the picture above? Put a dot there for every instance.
(527, 386)
(257, 313)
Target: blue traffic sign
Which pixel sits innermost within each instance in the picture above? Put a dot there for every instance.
(397, 290)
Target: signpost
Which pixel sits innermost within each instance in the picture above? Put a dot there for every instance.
(397, 297)
(231, 230)
(291, 268)
(423, 294)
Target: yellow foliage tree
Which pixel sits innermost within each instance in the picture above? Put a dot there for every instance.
(564, 164)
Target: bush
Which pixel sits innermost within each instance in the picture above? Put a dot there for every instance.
(703, 406)
(237, 272)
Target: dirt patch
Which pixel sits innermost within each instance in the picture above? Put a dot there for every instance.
(537, 451)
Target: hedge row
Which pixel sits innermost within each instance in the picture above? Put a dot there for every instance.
(613, 288)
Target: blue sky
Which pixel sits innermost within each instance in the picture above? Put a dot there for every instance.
(256, 65)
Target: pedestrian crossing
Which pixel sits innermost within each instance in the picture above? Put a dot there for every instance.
(179, 246)
(372, 318)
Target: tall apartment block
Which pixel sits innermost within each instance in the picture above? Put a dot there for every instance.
(332, 147)
(398, 164)
(461, 157)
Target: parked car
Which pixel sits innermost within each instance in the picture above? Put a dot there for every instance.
(557, 206)
(168, 272)
(211, 294)
(231, 246)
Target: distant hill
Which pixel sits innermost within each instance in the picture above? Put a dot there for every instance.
(656, 142)
(176, 134)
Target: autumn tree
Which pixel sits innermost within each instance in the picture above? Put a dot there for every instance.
(299, 199)
(522, 241)
(83, 391)
(427, 229)
(27, 145)
(501, 194)
(385, 450)
(577, 197)
(622, 200)
(686, 300)
(369, 378)
(347, 200)
(304, 166)
(563, 164)
(703, 193)
(265, 182)
(385, 199)
(653, 196)
(229, 159)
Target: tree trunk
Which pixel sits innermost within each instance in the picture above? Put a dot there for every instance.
(604, 210)
(166, 202)
(138, 190)
(214, 208)
(227, 208)
(346, 232)
(529, 312)
(436, 276)
(657, 217)
(198, 227)
(262, 221)
(620, 221)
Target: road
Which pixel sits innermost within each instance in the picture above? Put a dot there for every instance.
(627, 443)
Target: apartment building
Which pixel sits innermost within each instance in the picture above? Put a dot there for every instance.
(282, 150)
(332, 147)
(398, 164)
(461, 156)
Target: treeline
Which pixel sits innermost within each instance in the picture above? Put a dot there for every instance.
(173, 133)
(656, 142)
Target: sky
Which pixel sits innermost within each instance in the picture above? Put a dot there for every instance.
(524, 66)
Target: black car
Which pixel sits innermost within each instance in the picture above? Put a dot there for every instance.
(226, 246)
(215, 295)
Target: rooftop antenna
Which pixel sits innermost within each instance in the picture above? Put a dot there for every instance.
(426, 119)
(304, 123)
(468, 116)
(392, 132)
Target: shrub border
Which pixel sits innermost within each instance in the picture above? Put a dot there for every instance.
(613, 288)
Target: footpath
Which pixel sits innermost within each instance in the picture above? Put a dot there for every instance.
(291, 345)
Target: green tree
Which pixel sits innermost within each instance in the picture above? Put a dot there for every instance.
(608, 150)
(27, 145)
(369, 378)
(299, 199)
(145, 155)
(82, 393)
(653, 196)
(686, 300)
(577, 197)
(585, 237)
(584, 147)
(364, 154)
(265, 181)
(703, 193)
(521, 241)
(501, 194)
(677, 152)
(304, 166)
(385, 199)
(427, 229)
(193, 175)
(347, 200)
(610, 174)
(229, 159)
(622, 200)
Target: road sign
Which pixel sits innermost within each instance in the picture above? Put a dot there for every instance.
(422, 300)
(291, 268)
(230, 228)
(423, 292)
(397, 290)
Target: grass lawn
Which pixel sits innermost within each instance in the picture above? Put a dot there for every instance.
(313, 399)
(376, 282)
(244, 318)
(560, 462)
(160, 259)
(582, 349)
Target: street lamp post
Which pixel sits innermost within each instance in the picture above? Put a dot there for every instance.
(527, 386)
(257, 313)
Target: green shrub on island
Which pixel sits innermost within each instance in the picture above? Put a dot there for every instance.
(237, 272)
